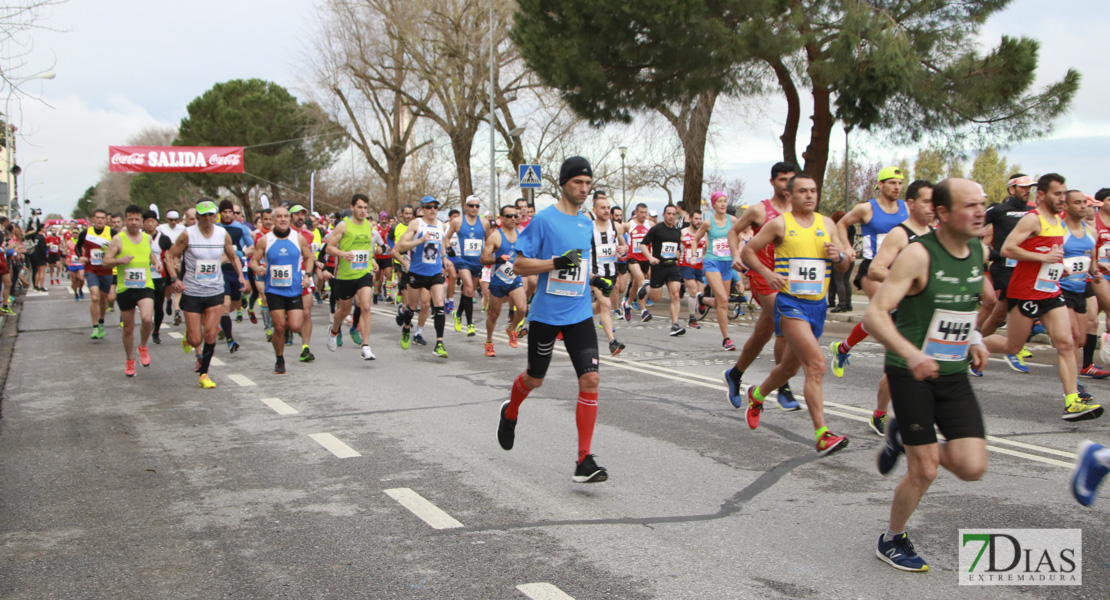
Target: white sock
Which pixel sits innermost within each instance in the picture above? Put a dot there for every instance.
(419, 331)
(692, 303)
(890, 535)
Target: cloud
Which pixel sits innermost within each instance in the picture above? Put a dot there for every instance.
(75, 137)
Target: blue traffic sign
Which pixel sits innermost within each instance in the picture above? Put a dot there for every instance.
(530, 176)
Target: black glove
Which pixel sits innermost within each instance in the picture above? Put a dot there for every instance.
(451, 252)
(500, 260)
(571, 258)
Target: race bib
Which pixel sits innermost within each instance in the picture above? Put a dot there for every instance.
(1078, 265)
(360, 260)
(52, 248)
(695, 255)
(806, 277)
(472, 247)
(134, 279)
(1048, 277)
(949, 334)
(74, 259)
(96, 257)
(720, 247)
(208, 270)
(669, 250)
(315, 248)
(1011, 263)
(570, 281)
(1104, 254)
(281, 276)
(606, 253)
(505, 273)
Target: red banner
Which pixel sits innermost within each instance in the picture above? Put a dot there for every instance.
(175, 159)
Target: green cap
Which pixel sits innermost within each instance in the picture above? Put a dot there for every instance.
(890, 173)
(297, 208)
(207, 208)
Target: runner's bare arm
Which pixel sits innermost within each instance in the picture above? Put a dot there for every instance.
(860, 213)
(770, 234)
(1026, 228)
(493, 242)
(256, 257)
(908, 275)
(893, 243)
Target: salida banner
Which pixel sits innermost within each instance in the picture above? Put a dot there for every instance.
(175, 159)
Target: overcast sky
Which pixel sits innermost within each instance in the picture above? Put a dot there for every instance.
(125, 65)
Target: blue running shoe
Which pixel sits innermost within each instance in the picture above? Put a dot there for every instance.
(1016, 363)
(450, 308)
(786, 399)
(734, 395)
(892, 448)
(635, 305)
(649, 302)
(839, 359)
(1083, 393)
(899, 553)
(1088, 473)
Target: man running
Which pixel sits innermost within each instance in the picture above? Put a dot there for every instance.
(233, 295)
(159, 244)
(636, 227)
(1000, 221)
(605, 246)
(1075, 286)
(878, 216)
(690, 263)
(755, 217)
(807, 247)
(91, 244)
(173, 229)
(130, 252)
(472, 235)
(500, 252)
(298, 216)
(1034, 291)
(660, 244)
(201, 284)
(352, 243)
(556, 246)
(286, 276)
(424, 238)
(935, 283)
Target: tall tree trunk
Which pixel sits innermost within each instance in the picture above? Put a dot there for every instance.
(692, 126)
(789, 137)
(462, 144)
(395, 165)
(817, 152)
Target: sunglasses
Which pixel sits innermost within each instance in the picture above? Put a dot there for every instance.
(510, 216)
(237, 212)
(473, 205)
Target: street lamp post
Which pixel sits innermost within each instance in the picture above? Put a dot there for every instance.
(9, 131)
(624, 199)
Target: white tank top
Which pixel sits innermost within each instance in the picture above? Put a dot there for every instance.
(201, 260)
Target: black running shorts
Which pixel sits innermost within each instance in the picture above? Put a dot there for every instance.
(579, 339)
(947, 401)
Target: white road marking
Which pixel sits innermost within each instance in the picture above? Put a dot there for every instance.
(336, 447)
(175, 335)
(217, 362)
(240, 379)
(419, 506)
(279, 407)
(543, 591)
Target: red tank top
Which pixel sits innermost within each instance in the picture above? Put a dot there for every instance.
(1032, 280)
(767, 255)
(1102, 237)
(638, 233)
(692, 257)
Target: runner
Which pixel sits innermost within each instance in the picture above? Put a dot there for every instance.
(424, 238)
(53, 255)
(877, 217)
(73, 265)
(919, 205)
(806, 250)
(130, 251)
(233, 295)
(721, 244)
(352, 243)
(500, 252)
(1075, 287)
(935, 284)
(1000, 221)
(258, 291)
(285, 275)
(383, 274)
(755, 217)
(173, 229)
(1034, 291)
(298, 216)
(200, 250)
(636, 227)
(472, 236)
(91, 244)
(555, 246)
(690, 264)
(159, 243)
(621, 288)
(660, 245)
(605, 246)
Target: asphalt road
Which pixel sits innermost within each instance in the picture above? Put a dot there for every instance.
(298, 486)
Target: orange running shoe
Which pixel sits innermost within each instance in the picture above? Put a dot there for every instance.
(144, 357)
(489, 349)
(513, 343)
(129, 368)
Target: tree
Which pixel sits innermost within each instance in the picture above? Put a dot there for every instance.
(929, 165)
(911, 70)
(86, 204)
(167, 191)
(992, 172)
(861, 185)
(285, 140)
(955, 166)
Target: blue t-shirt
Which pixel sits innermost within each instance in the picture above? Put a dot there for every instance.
(1077, 256)
(241, 239)
(562, 297)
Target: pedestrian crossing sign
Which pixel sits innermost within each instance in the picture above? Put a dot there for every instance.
(530, 176)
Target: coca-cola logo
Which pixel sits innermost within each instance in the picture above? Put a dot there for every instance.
(227, 160)
(137, 158)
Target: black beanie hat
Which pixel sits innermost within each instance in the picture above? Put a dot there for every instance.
(573, 167)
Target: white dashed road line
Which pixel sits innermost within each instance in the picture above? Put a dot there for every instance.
(334, 446)
(175, 335)
(279, 407)
(240, 379)
(543, 591)
(428, 512)
(217, 362)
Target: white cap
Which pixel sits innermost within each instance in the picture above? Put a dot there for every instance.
(173, 215)
(653, 213)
